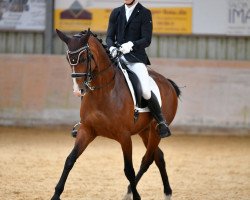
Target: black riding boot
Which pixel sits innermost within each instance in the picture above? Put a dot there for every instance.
(155, 110)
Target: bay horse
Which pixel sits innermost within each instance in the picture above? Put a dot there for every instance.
(107, 110)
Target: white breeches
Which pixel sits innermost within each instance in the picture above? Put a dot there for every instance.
(141, 71)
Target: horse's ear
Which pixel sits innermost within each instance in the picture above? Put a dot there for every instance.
(85, 39)
(62, 36)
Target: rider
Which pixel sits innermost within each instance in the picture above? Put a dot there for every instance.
(131, 26)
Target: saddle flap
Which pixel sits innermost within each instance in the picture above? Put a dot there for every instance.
(135, 88)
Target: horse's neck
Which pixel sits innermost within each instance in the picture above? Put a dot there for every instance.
(109, 99)
(104, 70)
(109, 77)
(109, 96)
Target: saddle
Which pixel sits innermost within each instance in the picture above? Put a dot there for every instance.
(140, 101)
(134, 86)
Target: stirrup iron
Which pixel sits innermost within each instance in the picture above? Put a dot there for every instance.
(74, 131)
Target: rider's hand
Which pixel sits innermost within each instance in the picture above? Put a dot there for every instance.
(113, 51)
(126, 47)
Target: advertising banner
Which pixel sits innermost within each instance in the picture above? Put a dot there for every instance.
(223, 17)
(22, 15)
(172, 20)
(168, 17)
(238, 21)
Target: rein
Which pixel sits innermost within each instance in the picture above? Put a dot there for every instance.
(89, 74)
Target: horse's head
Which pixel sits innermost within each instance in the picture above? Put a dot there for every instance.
(89, 60)
(79, 56)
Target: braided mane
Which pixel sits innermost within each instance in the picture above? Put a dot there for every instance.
(99, 39)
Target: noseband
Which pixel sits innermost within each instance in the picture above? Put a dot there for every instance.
(89, 74)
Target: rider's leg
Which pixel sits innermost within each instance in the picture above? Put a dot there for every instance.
(155, 109)
(141, 71)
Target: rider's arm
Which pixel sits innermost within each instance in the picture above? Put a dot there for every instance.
(111, 32)
(146, 31)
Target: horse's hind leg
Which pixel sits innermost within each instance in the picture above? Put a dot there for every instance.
(81, 143)
(126, 145)
(147, 159)
(160, 162)
(158, 157)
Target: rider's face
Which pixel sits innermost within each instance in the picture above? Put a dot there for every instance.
(128, 2)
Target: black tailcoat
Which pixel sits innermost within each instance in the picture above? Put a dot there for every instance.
(138, 30)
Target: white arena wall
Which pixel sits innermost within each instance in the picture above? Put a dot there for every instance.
(37, 90)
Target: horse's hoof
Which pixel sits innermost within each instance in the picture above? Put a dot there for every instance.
(137, 198)
(128, 196)
(167, 197)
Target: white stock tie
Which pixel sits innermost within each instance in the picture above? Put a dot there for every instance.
(128, 14)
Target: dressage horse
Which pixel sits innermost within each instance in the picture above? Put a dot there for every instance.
(107, 110)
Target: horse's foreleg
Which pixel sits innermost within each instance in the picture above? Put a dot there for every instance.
(129, 171)
(81, 143)
(160, 162)
(69, 163)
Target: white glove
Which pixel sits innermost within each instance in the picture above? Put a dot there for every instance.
(113, 51)
(126, 47)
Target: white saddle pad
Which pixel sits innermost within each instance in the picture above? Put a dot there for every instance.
(154, 88)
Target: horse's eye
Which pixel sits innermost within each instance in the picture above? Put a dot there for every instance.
(82, 59)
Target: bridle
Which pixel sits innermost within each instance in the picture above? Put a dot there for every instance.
(89, 75)
(76, 60)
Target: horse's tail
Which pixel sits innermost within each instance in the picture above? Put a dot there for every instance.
(177, 89)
